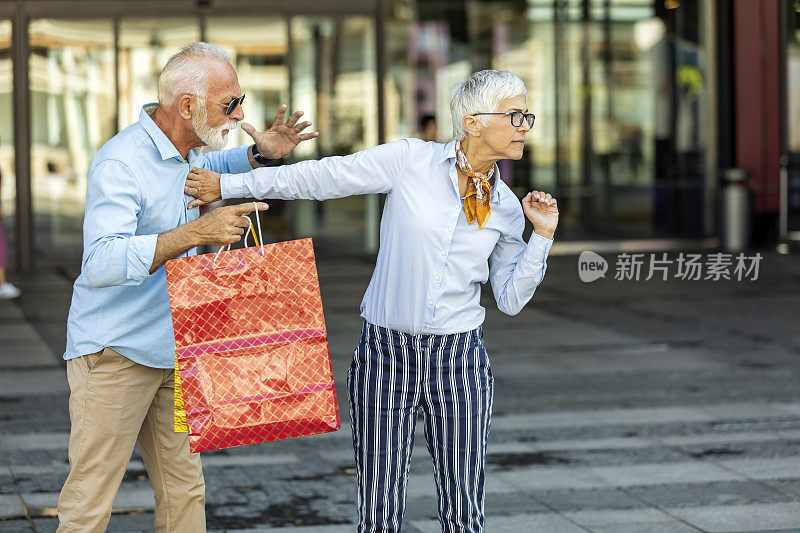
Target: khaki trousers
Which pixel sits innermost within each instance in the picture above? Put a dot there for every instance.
(114, 403)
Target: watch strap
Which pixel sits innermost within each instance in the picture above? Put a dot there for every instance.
(261, 160)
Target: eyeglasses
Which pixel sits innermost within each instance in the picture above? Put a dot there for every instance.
(230, 106)
(516, 117)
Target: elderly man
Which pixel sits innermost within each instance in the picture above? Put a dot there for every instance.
(120, 344)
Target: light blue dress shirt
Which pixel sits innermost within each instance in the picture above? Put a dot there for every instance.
(431, 262)
(134, 192)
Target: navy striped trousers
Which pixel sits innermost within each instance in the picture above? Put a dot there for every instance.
(447, 377)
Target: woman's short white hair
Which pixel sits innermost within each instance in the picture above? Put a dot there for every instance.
(187, 72)
(482, 93)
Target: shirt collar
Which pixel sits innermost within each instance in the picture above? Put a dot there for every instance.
(164, 145)
(449, 152)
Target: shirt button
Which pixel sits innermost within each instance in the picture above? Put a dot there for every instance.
(444, 253)
(430, 302)
(437, 277)
(427, 326)
(450, 229)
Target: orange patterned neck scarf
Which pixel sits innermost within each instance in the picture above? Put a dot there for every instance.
(479, 190)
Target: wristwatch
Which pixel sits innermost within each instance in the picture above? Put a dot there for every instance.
(261, 160)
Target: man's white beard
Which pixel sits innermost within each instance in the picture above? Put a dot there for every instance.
(212, 137)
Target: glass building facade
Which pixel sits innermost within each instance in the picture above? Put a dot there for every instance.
(630, 133)
(790, 171)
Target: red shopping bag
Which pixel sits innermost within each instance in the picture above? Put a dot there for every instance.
(251, 345)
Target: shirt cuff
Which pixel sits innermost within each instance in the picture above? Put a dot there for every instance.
(538, 247)
(141, 251)
(238, 160)
(232, 186)
(534, 259)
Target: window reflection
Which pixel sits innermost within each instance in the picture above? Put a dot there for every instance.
(73, 112)
(259, 52)
(8, 187)
(258, 48)
(617, 87)
(334, 82)
(145, 46)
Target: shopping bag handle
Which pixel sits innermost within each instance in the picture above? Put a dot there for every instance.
(259, 240)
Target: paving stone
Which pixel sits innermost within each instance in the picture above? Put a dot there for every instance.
(791, 486)
(596, 457)
(545, 478)
(605, 417)
(765, 468)
(48, 525)
(247, 460)
(577, 336)
(628, 416)
(32, 353)
(575, 499)
(512, 503)
(549, 522)
(723, 518)
(751, 410)
(10, 311)
(617, 361)
(30, 382)
(133, 522)
(663, 473)
(16, 526)
(729, 438)
(35, 441)
(617, 516)
(672, 526)
(551, 478)
(717, 493)
(591, 444)
(11, 506)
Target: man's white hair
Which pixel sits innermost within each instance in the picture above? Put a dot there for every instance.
(187, 72)
(482, 93)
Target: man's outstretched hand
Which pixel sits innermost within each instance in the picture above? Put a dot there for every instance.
(282, 136)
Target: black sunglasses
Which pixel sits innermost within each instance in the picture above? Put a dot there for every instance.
(230, 106)
(516, 117)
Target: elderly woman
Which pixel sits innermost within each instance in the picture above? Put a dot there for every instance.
(449, 225)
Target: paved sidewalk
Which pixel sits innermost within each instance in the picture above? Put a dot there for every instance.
(619, 407)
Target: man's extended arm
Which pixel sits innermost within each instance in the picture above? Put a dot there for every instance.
(220, 227)
(114, 254)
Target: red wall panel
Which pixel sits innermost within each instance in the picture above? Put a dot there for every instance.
(758, 106)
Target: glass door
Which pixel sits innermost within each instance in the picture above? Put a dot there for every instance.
(334, 82)
(618, 90)
(73, 111)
